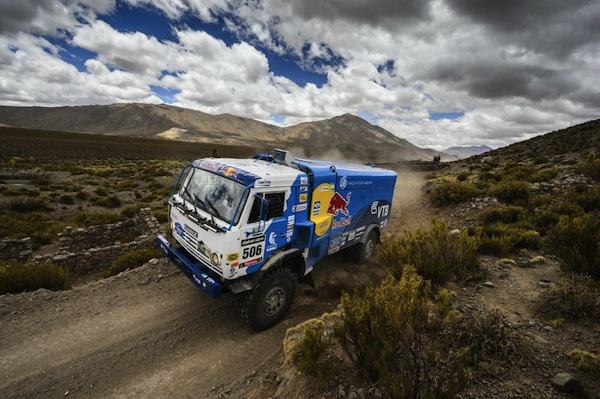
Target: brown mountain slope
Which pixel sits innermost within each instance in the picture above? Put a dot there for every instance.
(347, 136)
(579, 139)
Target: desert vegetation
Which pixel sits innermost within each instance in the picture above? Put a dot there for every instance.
(405, 335)
(51, 180)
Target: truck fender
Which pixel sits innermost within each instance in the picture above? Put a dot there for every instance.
(368, 231)
(296, 260)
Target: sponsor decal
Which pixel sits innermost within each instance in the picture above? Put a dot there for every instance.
(251, 262)
(272, 238)
(316, 208)
(324, 188)
(233, 257)
(324, 223)
(343, 182)
(234, 264)
(179, 229)
(341, 223)
(303, 189)
(352, 235)
(229, 172)
(339, 204)
(303, 197)
(334, 248)
(299, 208)
(253, 240)
(383, 211)
(262, 183)
(374, 207)
(360, 183)
(290, 221)
(303, 180)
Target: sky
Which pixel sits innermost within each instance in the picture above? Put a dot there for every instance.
(438, 73)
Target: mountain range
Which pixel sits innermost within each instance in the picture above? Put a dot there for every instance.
(347, 137)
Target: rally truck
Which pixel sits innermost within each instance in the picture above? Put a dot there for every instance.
(258, 226)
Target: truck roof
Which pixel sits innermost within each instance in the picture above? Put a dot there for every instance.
(269, 173)
(248, 171)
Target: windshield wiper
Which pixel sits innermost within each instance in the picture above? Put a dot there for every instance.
(217, 213)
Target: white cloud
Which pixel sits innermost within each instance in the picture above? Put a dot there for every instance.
(398, 62)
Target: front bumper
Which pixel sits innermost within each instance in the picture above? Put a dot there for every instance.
(192, 269)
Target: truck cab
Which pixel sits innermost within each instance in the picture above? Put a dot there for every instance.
(258, 226)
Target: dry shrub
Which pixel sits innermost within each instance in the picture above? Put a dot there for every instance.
(436, 254)
(513, 192)
(305, 347)
(576, 241)
(574, 297)
(453, 193)
(18, 277)
(132, 259)
(393, 335)
(586, 361)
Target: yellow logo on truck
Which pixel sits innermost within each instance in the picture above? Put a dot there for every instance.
(321, 197)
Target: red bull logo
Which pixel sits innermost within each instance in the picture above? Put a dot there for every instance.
(228, 171)
(339, 204)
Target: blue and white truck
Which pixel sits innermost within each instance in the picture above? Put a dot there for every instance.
(257, 227)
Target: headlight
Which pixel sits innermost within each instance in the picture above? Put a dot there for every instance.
(215, 259)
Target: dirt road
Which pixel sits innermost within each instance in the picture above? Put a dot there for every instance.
(146, 333)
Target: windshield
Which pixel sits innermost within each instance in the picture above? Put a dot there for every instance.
(215, 194)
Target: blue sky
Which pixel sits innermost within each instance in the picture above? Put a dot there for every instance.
(439, 73)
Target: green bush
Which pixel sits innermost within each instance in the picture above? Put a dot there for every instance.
(462, 176)
(66, 199)
(544, 175)
(576, 241)
(513, 192)
(513, 236)
(130, 211)
(392, 335)
(161, 215)
(82, 195)
(487, 336)
(96, 218)
(436, 254)
(545, 220)
(26, 205)
(574, 297)
(591, 167)
(42, 228)
(101, 191)
(490, 176)
(453, 193)
(507, 214)
(132, 259)
(494, 245)
(540, 160)
(109, 202)
(19, 277)
(305, 347)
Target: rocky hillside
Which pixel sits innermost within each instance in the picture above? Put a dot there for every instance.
(348, 136)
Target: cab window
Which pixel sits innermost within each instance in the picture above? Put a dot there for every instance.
(275, 204)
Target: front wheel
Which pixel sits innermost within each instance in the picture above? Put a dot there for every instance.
(268, 303)
(364, 251)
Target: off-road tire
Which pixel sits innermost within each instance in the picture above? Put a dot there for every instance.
(364, 251)
(270, 301)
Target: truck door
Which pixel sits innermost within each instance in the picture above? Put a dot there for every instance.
(264, 233)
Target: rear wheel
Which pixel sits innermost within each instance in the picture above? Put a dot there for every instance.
(270, 301)
(364, 251)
